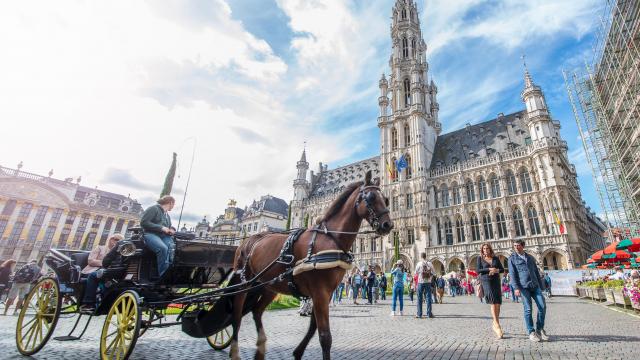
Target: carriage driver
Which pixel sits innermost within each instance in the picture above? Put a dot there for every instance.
(157, 231)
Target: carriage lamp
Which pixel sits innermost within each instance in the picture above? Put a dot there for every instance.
(127, 248)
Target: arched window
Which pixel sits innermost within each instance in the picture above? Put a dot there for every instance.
(407, 135)
(518, 222)
(482, 188)
(411, 236)
(455, 189)
(448, 231)
(525, 181)
(511, 183)
(394, 139)
(502, 224)
(405, 48)
(471, 193)
(444, 194)
(413, 47)
(394, 170)
(407, 92)
(374, 245)
(475, 227)
(534, 223)
(409, 169)
(487, 226)
(459, 229)
(495, 186)
(404, 14)
(438, 232)
(435, 197)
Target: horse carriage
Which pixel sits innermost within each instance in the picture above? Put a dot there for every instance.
(132, 297)
(214, 285)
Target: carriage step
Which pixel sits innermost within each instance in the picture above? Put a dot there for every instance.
(66, 338)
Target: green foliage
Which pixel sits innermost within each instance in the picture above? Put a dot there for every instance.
(168, 180)
(306, 220)
(614, 284)
(284, 302)
(289, 218)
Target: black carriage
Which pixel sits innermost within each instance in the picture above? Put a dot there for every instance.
(132, 297)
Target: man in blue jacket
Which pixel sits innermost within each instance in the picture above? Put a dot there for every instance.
(526, 279)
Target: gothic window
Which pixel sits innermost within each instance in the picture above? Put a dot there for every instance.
(482, 188)
(405, 48)
(409, 201)
(534, 223)
(444, 194)
(439, 234)
(448, 231)
(471, 194)
(407, 135)
(413, 48)
(394, 140)
(459, 229)
(518, 222)
(525, 181)
(502, 224)
(374, 245)
(396, 238)
(456, 194)
(409, 169)
(404, 14)
(394, 170)
(511, 183)
(395, 204)
(495, 186)
(411, 237)
(407, 92)
(435, 197)
(487, 226)
(475, 227)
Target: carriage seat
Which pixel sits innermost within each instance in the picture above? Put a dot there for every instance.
(80, 259)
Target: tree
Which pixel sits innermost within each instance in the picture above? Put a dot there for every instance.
(289, 218)
(306, 220)
(168, 181)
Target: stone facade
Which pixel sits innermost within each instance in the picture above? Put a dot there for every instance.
(495, 181)
(40, 212)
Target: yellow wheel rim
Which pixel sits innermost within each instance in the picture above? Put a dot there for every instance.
(38, 317)
(221, 339)
(120, 328)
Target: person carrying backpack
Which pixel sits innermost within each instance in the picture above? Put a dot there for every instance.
(22, 281)
(425, 272)
(383, 286)
(440, 284)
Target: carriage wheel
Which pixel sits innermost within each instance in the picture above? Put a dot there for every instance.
(38, 316)
(120, 329)
(222, 339)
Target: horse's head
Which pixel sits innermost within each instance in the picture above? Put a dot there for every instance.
(372, 205)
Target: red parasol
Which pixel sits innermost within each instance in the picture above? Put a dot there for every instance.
(472, 273)
(611, 248)
(597, 256)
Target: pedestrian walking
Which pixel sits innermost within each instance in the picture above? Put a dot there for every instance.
(424, 276)
(489, 269)
(6, 269)
(398, 278)
(412, 285)
(440, 285)
(356, 282)
(371, 279)
(547, 285)
(452, 285)
(383, 286)
(22, 281)
(433, 288)
(526, 279)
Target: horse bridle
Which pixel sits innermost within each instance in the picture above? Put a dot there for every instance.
(367, 194)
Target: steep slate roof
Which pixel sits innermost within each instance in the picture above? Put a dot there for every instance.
(496, 135)
(268, 203)
(333, 181)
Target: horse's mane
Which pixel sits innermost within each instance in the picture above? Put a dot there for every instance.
(342, 198)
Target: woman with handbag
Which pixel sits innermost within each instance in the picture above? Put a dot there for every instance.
(489, 269)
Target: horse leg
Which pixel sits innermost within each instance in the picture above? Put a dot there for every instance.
(321, 313)
(299, 351)
(265, 299)
(238, 305)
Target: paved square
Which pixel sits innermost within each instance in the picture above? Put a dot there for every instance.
(461, 330)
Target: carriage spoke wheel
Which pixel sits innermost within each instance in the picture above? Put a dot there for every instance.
(38, 316)
(121, 327)
(222, 339)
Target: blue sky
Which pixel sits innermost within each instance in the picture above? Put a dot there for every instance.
(249, 81)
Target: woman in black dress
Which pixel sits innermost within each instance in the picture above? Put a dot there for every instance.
(489, 269)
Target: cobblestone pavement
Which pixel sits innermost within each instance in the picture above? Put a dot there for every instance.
(461, 330)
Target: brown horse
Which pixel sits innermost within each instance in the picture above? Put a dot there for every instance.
(337, 231)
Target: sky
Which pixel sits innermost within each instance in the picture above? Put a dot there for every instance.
(107, 90)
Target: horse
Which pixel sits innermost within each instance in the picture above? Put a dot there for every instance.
(334, 234)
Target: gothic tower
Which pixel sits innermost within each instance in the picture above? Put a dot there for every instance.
(408, 123)
(300, 192)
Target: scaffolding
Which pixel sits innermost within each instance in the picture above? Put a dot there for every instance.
(605, 99)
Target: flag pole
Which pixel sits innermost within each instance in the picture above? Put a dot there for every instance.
(186, 188)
